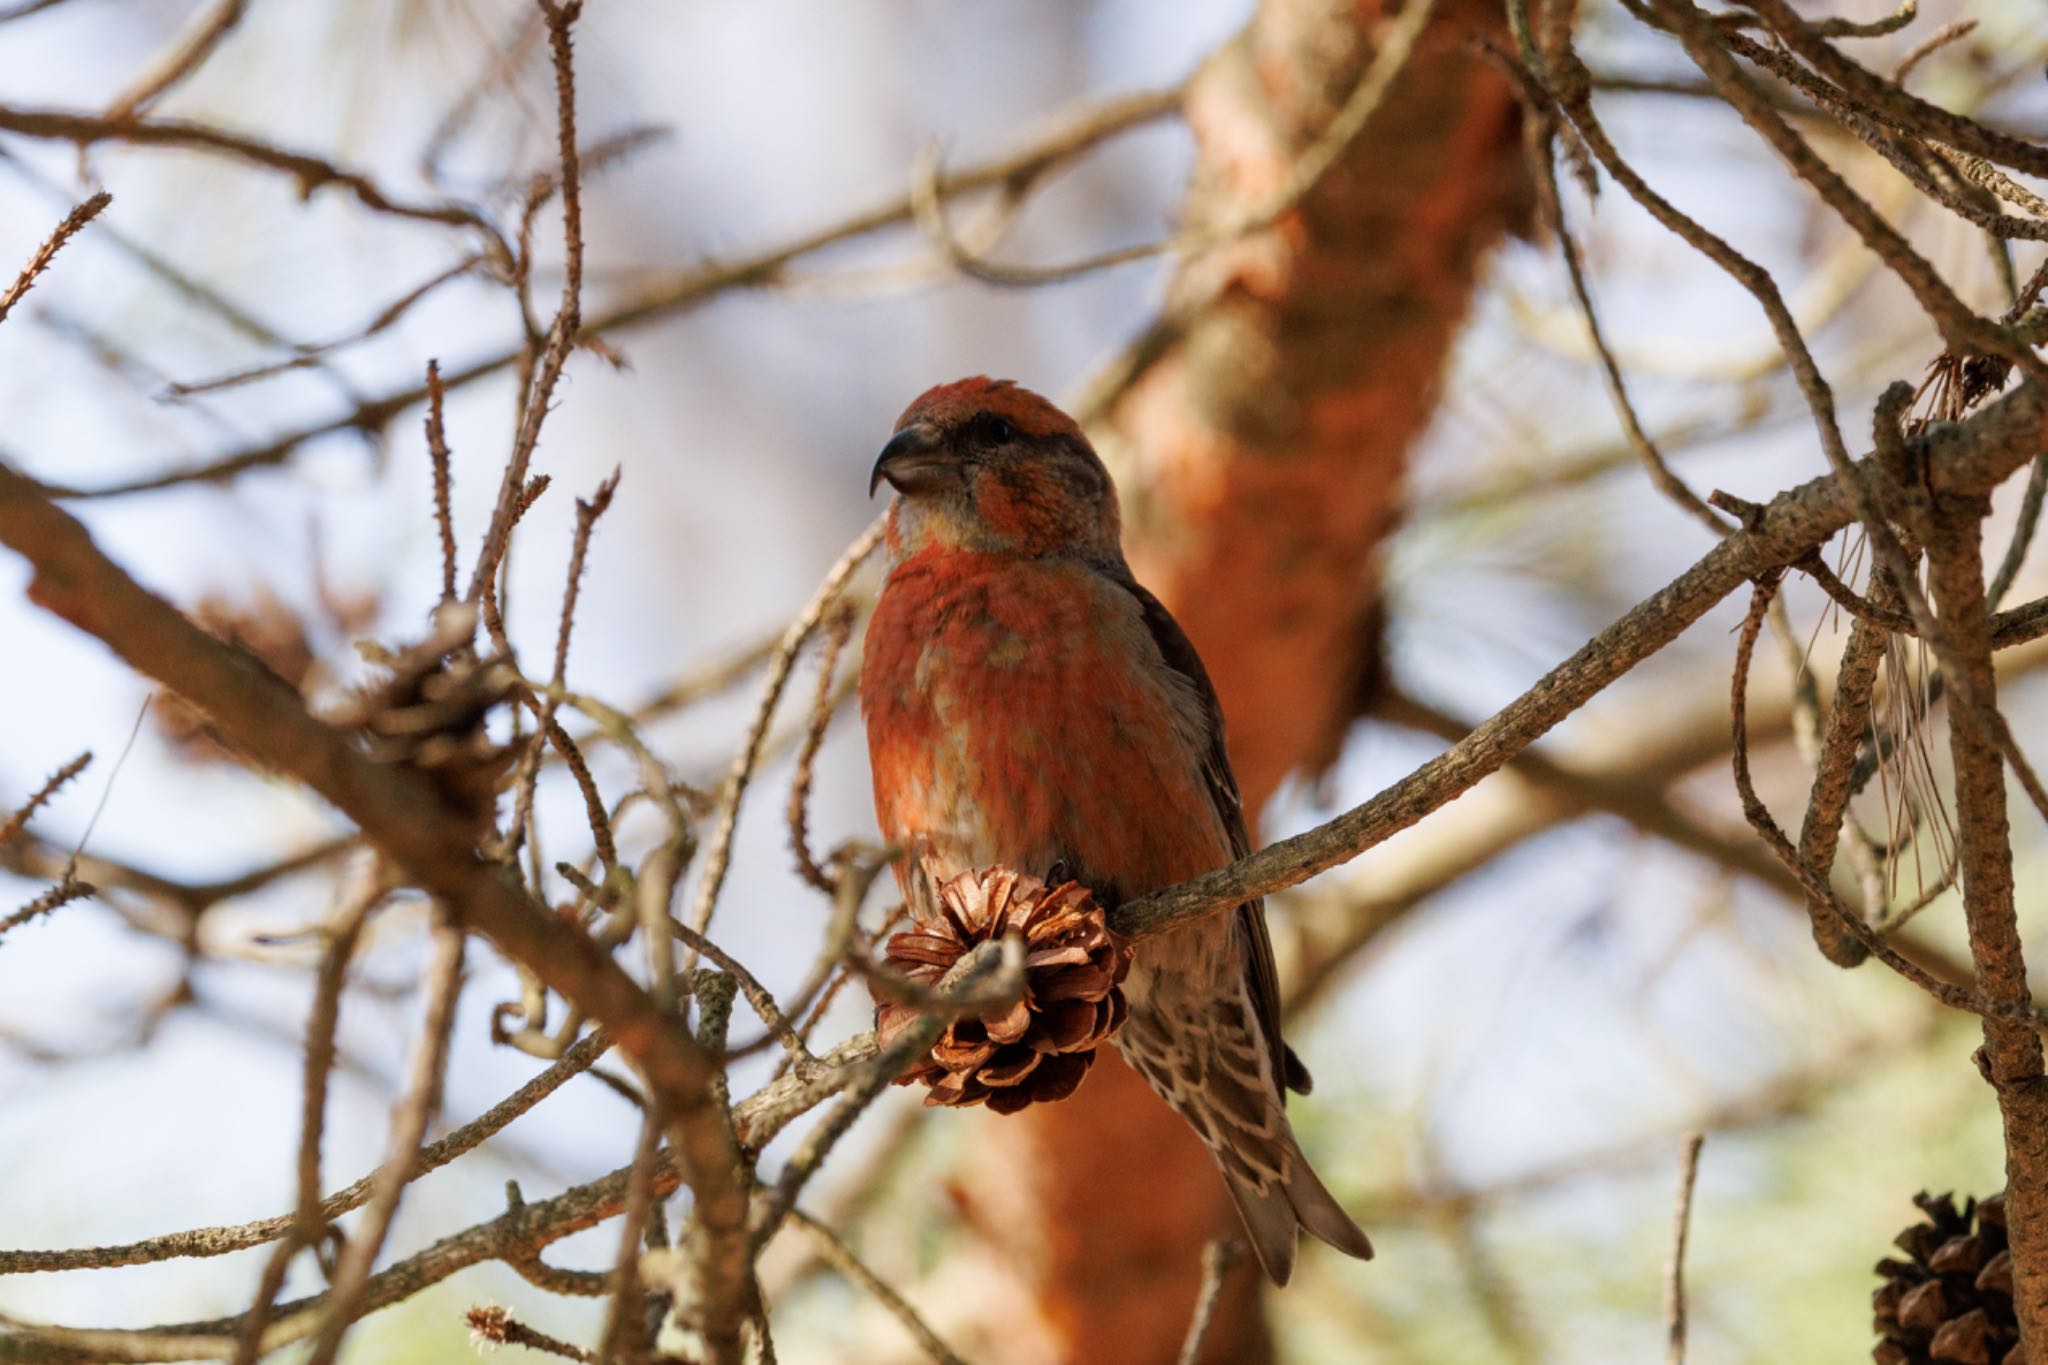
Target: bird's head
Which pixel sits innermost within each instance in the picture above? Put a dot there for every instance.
(983, 465)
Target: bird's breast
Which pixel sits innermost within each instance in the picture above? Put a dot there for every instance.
(1018, 713)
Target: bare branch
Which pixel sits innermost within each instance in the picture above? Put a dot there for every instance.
(310, 173)
(15, 823)
(837, 628)
(2012, 1053)
(1674, 1263)
(841, 1258)
(781, 662)
(686, 291)
(66, 890)
(524, 784)
(220, 1241)
(395, 807)
(314, 354)
(516, 1237)
(1971, 456)
(408, 1128)
(47, 252)
(307, 1225)
(1828, 802)
(1539, 134)
(437, 451)
(999, 965)
(494, 1324)
(201, 36)
(1219, 1258)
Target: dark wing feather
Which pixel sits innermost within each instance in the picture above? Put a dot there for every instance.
(1179, 654)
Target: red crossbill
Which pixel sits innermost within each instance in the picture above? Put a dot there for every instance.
(1030, 706)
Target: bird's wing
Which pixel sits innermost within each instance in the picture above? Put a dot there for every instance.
(1263, 981)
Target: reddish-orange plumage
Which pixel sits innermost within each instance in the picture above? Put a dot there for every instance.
(964, 399)
(1029, 706)
(1008, 710)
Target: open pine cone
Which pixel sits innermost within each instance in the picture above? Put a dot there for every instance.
(1039, 1048)
(1953, 1300)
(430, 713)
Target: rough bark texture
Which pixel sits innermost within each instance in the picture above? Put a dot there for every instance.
(2011, 1057)
(1259, 450)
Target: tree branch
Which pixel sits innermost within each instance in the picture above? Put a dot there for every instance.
(2012, 1055)
(396, 807)
(1969, 457)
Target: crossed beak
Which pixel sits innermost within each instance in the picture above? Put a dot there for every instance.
(914, 462)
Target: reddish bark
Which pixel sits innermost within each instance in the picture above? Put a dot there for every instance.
(1261, 451)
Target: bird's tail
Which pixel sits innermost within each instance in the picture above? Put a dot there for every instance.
(1216, 1070)
(1275, 1215)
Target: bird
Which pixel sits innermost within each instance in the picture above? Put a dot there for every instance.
(1029, 705)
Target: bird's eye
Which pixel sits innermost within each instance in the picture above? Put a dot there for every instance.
(1000, 429)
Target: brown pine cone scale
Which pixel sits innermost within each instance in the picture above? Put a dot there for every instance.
(1038, 1048)
(1952, 1301)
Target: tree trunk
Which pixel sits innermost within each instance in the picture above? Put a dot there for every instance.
(1260, 445)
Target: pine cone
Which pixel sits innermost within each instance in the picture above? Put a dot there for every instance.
(430, 713)
(1039, 1048)
(1953, 1300)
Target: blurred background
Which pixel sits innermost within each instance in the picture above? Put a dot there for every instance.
(1513, 1012)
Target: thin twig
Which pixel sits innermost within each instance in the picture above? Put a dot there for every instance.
(1219, 1258)
(310, 173)
(536, 395)
(837, 628)
(496, 541)
(996, 966)
(444, 477)
(2022, 533)
(1674, 1264)
(1827, 803)
(201, 36)
(719, 855)
(408, 1127)
(66, 890)
(47, 252)
(308, 1224)
(528, 777)
(842, 1258)
(1539, 135)
(626, 1312)
(313, 354)
(1782, 532)
(1928, 46)
(593, 802)
(494, 1325)
(684, 292)
(221, 1241)
(2018, 1010)
(55, 782)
